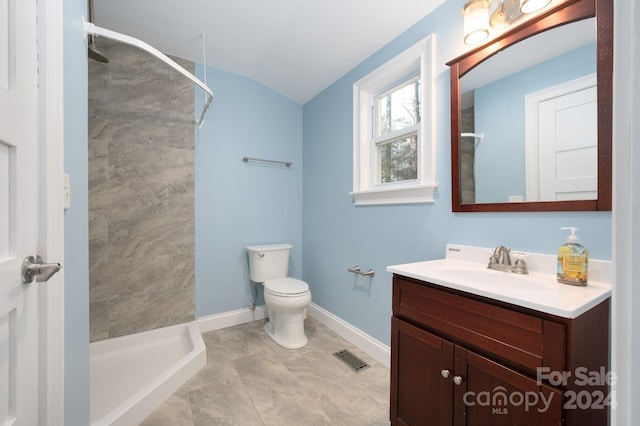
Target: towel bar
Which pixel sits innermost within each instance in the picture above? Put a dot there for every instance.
(286, 163)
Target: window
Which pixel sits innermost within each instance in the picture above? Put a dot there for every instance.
(393, 131)
(397, 116)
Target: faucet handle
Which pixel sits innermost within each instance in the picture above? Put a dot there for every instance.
(520, 267)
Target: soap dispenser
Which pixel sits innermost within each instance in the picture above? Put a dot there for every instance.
(573, 261)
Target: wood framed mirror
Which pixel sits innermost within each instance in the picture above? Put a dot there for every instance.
(550, 159)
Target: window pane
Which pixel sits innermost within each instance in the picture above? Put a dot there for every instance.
(398, 160)
(400, 108)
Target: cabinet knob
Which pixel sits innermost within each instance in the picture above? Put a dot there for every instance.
(445, 373)
(457, 380)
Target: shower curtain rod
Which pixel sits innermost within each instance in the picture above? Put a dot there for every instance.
(92, 29)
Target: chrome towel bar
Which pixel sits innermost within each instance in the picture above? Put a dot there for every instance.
(356, 270)
(286, 163)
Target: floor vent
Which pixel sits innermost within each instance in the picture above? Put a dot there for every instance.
(351, 360)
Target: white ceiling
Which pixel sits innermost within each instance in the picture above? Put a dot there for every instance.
(295, 47)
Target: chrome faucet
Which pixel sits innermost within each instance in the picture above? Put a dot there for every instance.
(501, 260)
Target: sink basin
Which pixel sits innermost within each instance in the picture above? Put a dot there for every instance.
(467, 274)
(537, 290)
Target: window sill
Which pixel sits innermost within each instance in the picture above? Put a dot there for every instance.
(415, 194)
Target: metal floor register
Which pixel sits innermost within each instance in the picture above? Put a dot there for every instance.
(355, 363)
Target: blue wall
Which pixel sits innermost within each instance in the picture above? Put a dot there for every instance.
(237, 203)
(76, 220)
(500, 114)
(338, 235)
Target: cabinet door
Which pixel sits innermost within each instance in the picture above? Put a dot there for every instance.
(492, 394)
(420, 394)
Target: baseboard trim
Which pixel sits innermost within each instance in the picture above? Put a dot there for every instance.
(372, 347)
(231, 318)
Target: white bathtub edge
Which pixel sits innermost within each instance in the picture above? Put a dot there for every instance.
(149, 398)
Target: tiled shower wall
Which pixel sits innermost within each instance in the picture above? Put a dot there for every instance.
(467, 157)
(141, 193)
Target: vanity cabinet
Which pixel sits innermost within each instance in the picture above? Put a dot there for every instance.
(461, 359)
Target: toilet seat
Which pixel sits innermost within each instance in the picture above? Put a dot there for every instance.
(286, 287)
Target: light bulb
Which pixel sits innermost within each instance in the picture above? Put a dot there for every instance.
(476, 21)
(530, 6)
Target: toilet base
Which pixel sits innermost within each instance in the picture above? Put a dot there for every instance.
(291, 336)
(286, 319)
(287, 339)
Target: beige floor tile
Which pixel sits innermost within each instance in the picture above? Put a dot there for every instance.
(176, 411)
(249, 380)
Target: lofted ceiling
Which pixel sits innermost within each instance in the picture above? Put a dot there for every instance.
(295, 47)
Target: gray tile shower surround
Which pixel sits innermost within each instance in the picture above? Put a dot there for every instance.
(467, 157)
(141, 193)
(141, 201)
(249, 380)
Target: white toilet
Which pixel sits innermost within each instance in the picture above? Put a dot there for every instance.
(286, 298)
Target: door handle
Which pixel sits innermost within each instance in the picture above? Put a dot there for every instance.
(34, 267)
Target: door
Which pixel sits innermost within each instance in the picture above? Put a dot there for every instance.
(421, 376)
(565, 141)
(488, 393)
(19, 232)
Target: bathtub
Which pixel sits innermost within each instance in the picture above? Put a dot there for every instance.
(133, 375)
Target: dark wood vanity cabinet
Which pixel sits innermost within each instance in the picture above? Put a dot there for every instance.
(459, 359)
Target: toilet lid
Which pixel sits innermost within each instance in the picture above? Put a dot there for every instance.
(286, 286)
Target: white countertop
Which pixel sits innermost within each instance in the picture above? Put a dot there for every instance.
(465, 269)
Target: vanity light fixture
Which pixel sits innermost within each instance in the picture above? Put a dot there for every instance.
(478, 24)
(476, 21)
(507, 12)
(530, 6)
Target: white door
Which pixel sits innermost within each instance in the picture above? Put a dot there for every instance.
(567, 142)
(19, 228)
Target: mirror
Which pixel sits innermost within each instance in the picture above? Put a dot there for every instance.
(531, 115)
(535, 105)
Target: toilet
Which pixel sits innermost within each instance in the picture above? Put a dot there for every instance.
(286, 298)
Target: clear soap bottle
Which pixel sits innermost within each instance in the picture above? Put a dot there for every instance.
(573, 261)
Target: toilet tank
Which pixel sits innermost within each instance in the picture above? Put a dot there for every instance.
(268, 261)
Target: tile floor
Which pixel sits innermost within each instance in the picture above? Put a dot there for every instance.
(249, 380)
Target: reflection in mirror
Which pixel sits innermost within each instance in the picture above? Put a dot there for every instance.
(540, 156)
(536, 105)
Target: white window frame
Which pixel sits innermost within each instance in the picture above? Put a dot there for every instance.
(418, 59)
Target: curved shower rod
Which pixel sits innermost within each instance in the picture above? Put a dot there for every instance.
(92, 29)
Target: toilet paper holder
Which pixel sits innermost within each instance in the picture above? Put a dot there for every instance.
(356, 270)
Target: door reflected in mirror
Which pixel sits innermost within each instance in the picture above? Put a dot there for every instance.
(535, 105)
